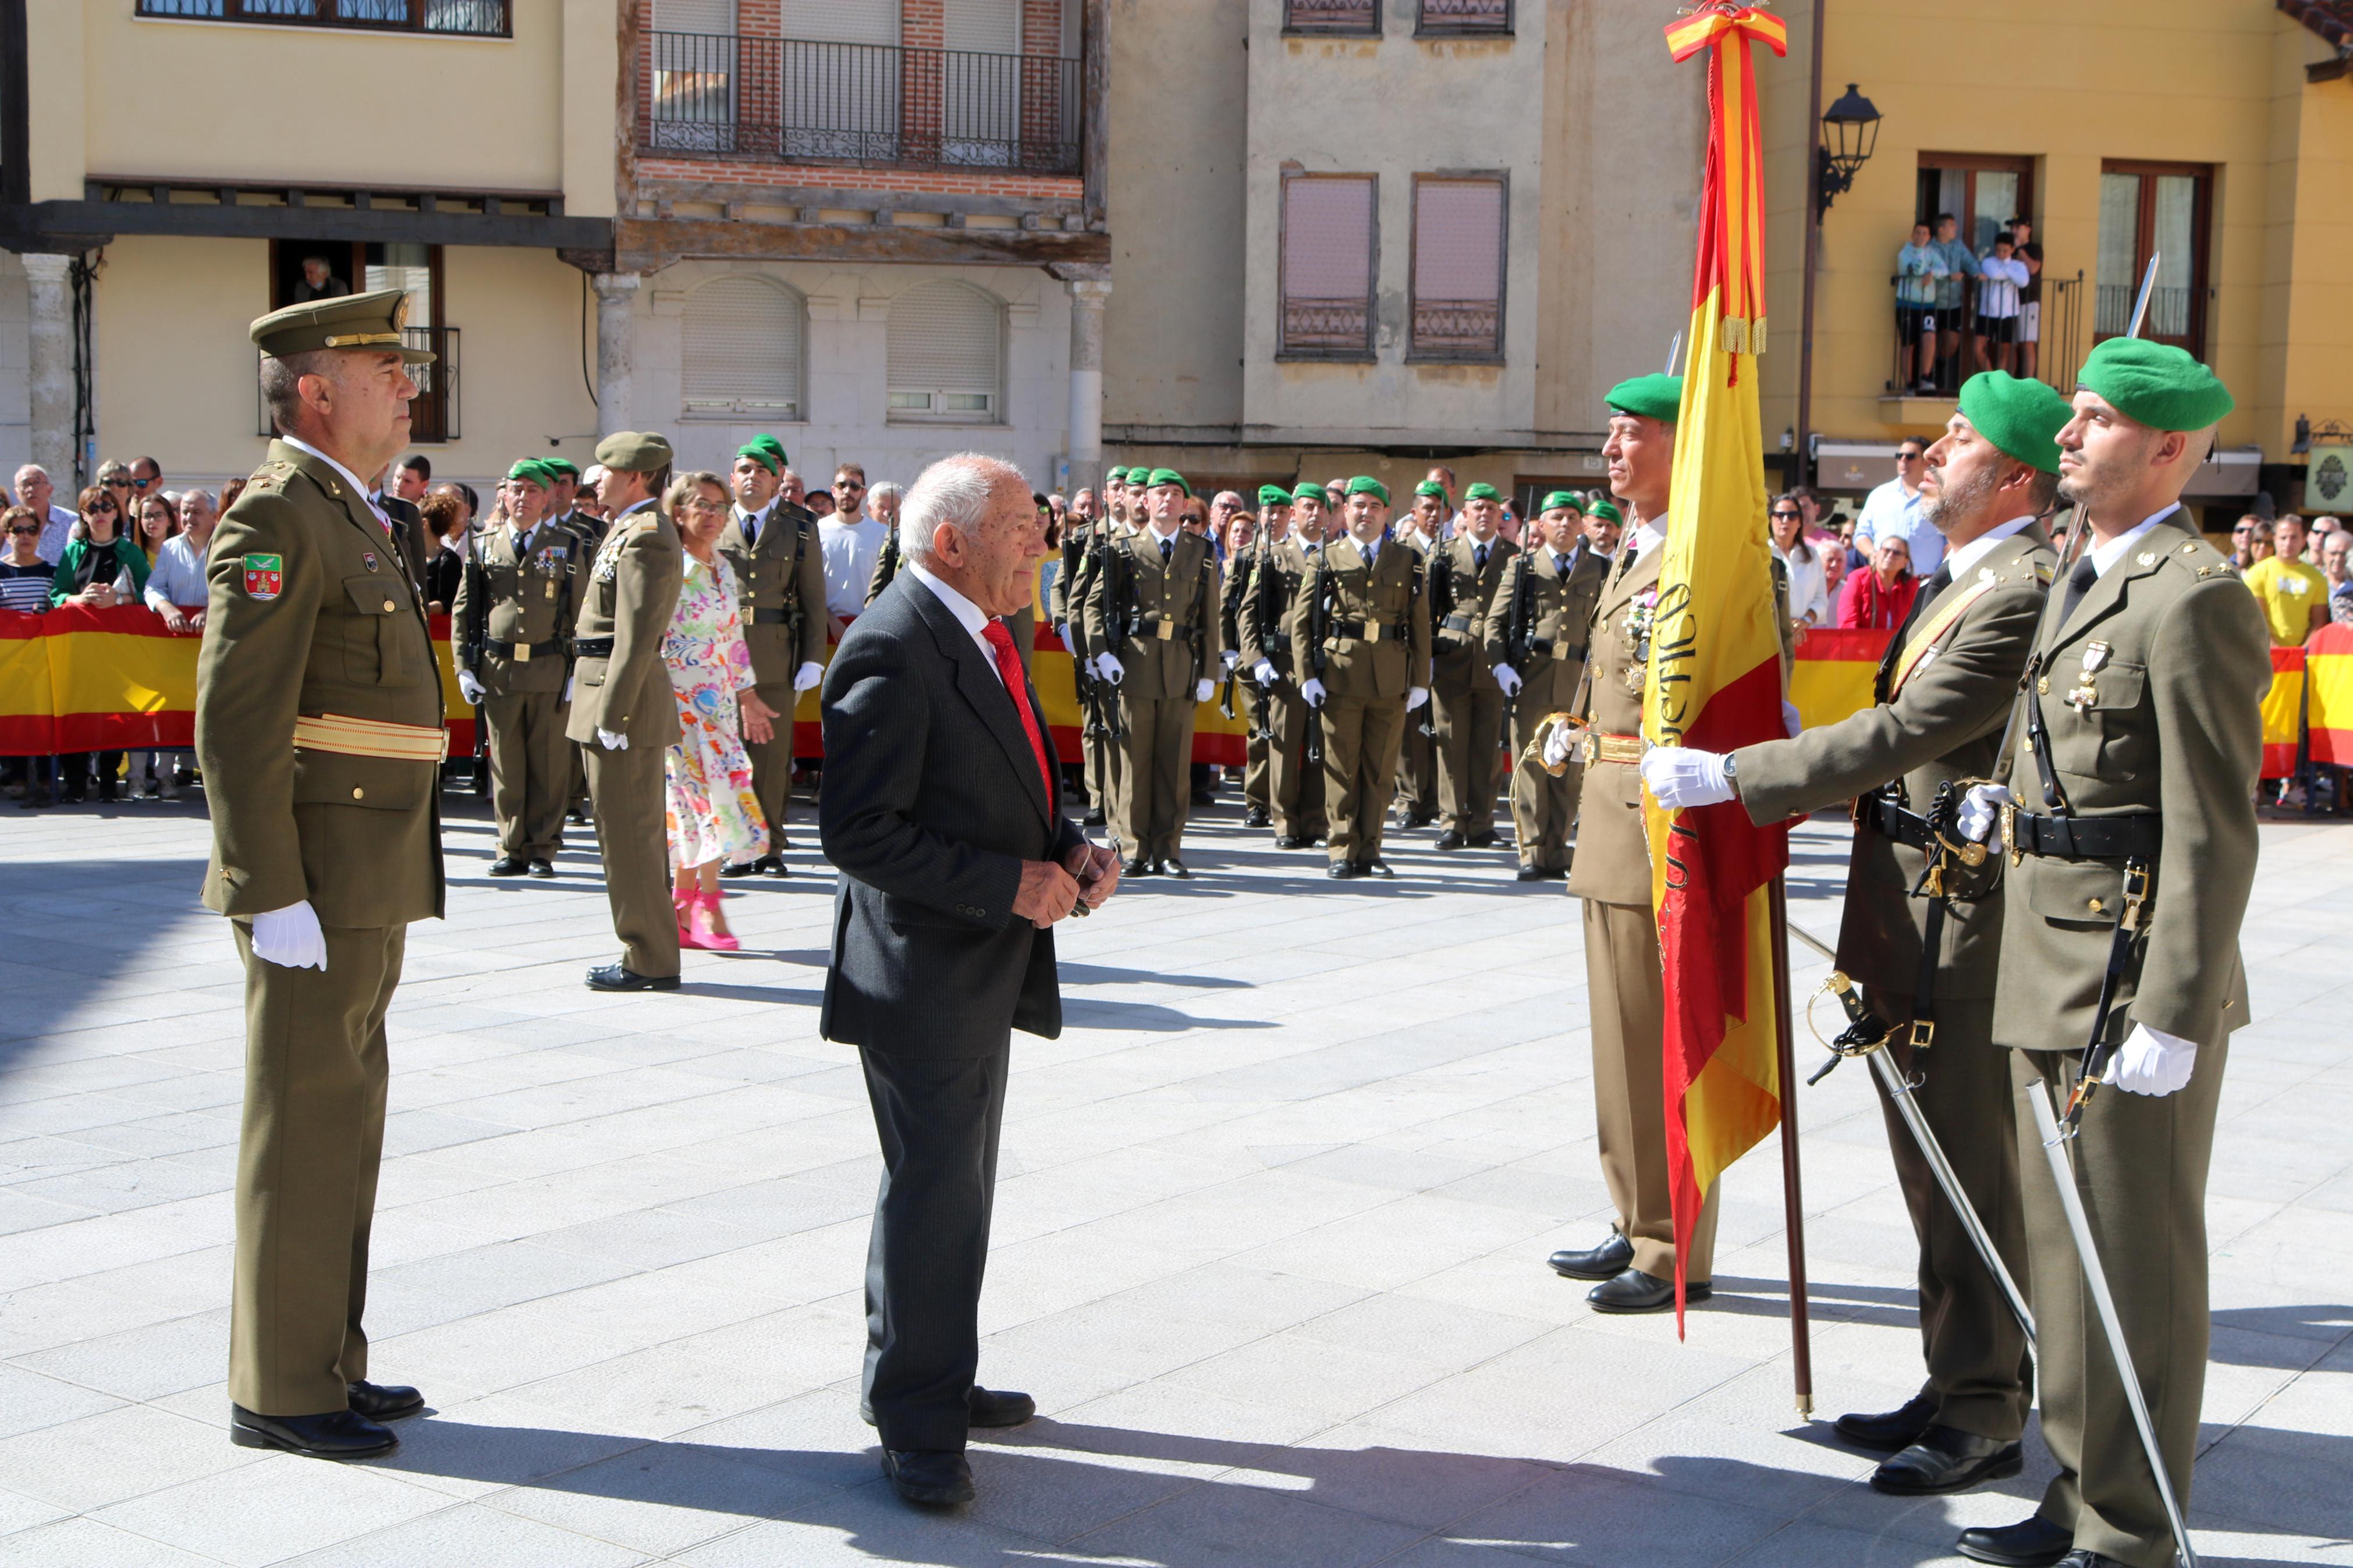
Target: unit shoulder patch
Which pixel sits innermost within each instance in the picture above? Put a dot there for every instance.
(265, 576)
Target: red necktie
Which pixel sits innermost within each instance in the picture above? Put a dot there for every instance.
(1017, 685)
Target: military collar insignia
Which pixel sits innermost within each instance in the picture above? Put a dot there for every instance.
(368, 557)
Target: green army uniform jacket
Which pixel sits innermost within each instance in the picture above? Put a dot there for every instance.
(1159, 620)
(590, 530)
(310, 612)
(527, 601)
(1375, 627)
(780, 588)
(1613, 852)
(1264, 624)
(630, 597)
(1460, 594)
(1558, 613)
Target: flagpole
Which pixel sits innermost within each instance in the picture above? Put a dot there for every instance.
(1801, 1349)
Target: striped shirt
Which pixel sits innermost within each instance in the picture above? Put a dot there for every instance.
(25, 588)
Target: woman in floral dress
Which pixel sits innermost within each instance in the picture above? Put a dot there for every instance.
(714, 817)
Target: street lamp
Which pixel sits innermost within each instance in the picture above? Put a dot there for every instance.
(1850, 134)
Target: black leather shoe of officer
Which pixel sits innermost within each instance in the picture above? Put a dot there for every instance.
(620, 977)
(1536, 874)
(1256, 816)
(1449, 839)
(379, 1403)
(542, 868)
(772, 866)
(1094, 816)
(1607, 1262)
(1290, 841)
(337, 1435)
(1635, 1291)
(929, 1478)
(1377, 866)
(1947, 1459)
(1341, 870)
(2084, 1557)
(1173, 866)
(1139, 867)
(1482, 840)
(2033, 1542)
(1892, 1430)
(509, 865)
(988, 1407)
(740, 868)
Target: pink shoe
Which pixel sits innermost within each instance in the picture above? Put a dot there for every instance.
(705, 933)
(682, 905)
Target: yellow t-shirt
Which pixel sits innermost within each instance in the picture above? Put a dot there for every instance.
(2288, 591)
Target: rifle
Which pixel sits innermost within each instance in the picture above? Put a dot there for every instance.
(1106, 555)
(1516, 628)
(1442, 604)
(1319, 613)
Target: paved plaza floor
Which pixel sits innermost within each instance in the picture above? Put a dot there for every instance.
(1270, 1244)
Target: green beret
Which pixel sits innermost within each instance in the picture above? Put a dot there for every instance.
(1365, 485)
(2021, 417)
(1273, 495)
(1308, 490)
(1159, 477)
(633, 452)
(1114, 476)
(1556, 501)
(370, 321)
(766, 452)
(1483, 491)
(536, 471)
(2158, 385)
(1604, 511)
(1430, 487)
(564, 468)
(1658, 397)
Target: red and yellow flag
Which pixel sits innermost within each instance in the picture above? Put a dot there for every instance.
(1715, 660)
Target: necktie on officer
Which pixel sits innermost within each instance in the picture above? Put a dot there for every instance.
(751, 525)
(2079, 583)
(1167, 549)
(1478, 557)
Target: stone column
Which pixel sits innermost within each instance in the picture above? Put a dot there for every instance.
(50, 328)
(1088, 296)
(616, 293)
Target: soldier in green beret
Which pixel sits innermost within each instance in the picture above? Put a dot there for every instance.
(319, 727)
(1418, 790)
(623, 712)
(1603, 524)
(517, 601)
(1295, 780)
(1234, 601)
(1085, 535)
(2128, 814)
(1360, 644)
(564, 510)
(1466, 573)
(772, 544)
(1533, 643)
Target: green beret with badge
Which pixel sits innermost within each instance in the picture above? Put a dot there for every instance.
(2156, 385)
(1114, 476)
(563, 468)
(1558, 501)
(2021, 417)
(1273, 495)
(1308, 490)
(1365, 485)
(766, 452)
(1159, 477)
(1606, 511)
(535, 471)
(377, 320)
(1482, 491)
(633, 452)
(1658, 397)
(1430, 487)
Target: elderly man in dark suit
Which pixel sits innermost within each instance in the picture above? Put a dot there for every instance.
(942, 811)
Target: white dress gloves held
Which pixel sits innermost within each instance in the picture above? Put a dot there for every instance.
(1681, 777)
(1110, 669)
(1508, 678)
(807, 674)
(1264, 672)
(1202, 687)
(2151, 1062)
(470, 688)
(1232, 658)
(1414, 696)
(612, 742)
(1980, 808)
(1314, 692)
(290, 938)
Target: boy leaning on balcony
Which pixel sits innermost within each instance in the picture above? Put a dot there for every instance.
(1918, 265)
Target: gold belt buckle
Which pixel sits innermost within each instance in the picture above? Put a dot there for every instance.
(1372, 631)
(522, 653)
(1592, 748)
(1166, 631)
(2009, 832)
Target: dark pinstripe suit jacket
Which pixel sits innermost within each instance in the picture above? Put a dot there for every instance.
(932, 800)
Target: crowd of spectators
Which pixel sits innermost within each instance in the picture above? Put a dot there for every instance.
(1946, 295)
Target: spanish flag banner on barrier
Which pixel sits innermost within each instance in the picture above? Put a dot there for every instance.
(1715, 661)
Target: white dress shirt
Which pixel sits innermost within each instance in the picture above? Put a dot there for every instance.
(967, 614)
(752, 524)
(2106, 556)
(1647, 536)
(55, 532)
(851, 548)
(1977, 549)
(1888, 511)
(178, 578)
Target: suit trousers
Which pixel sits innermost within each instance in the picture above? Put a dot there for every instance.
(938, 1119)
(1296, 789)
(1361, 736)
(1470, 733)
(633, 840)
(1416, 772)
(1629, 1096)
(308, 1149)
(1544, 808)
(772, 763)
(1979, 1370)
(1252, 704)
(1159, 796)
(531, 770)
(2140, 1168)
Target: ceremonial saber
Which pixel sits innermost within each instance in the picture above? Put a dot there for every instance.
(1899, 1093)
(1674, 347)
(2076, 524)
(2087, 1252)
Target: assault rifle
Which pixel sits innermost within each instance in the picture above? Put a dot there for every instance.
(1516, 627)
(1318, 589)
(1442, 604)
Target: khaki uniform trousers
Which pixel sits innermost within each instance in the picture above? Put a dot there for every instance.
(531, 770)
(308, 1150)
(1630, 1097)
(1296, 788)
(1544, 808)
(1159, 792)
(2140, 1167)
(1979, 1370)
(1470, 733)
(1361, 759)
(1417, 775)
(1252, 704)
(1104, 765)
(772, 763)
(634, 842)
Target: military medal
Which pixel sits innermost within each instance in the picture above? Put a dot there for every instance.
(2095, 658)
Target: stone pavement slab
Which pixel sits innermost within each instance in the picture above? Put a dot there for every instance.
(1270, 1244)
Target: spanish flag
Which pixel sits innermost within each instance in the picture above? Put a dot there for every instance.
(1715, 674)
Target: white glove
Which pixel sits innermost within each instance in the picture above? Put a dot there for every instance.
(1414, 696)
(1558, 743)
(1509, 680)
(1202, 687)
(1680, 777)
(290, 938)
(1108, 666)
(1314, 692)
(2151, 1062)
(469, 687)
(1790, 722)
(1263, 671)
(612, 742)
(807, 674)
(568, 681)
(1232, 656)
(1978, 809)
(1063, 631)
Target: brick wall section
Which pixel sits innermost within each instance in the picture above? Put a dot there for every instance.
(741, 171)
(1042, 83)
(923, 89)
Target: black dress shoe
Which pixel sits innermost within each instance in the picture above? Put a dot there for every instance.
(1204, 797)
(1635, 1291)
(2033, 1542)
(1290, 841)
(509, 865)
(1536, 874)
(1139, 867)
(772, 866)
(1173, 866)
(1377, 866)
(1420, 818)
(741, 869)
(1256, 816)
(1486, 840)
(578, 818)
(1607, 1262)
(1343, 870)
(542, 868)
(1094, 817)
(1449, 839)
(337, 1435)
(2084, 1557)
(929, 1478)
(1947, 1459)
(1892, 1430)
(379, 1403)
(621, 977)
(998, 1407)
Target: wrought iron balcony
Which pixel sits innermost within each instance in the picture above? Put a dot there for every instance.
(1457, 329)
(869, 104)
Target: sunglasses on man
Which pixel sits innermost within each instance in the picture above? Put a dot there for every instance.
(1903, 457)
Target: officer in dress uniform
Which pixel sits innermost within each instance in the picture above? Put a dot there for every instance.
(2128, 814)
(1943, 692)
(1418, 786)
(1360, 642)
(623, 712)
(564, 510)
(1152, 616)
(1234, 599)
(1464, 574)
(1536, 638)
(1082, 547)
(1294, 783)
(516, 604)
(319, 727)
(772, 544)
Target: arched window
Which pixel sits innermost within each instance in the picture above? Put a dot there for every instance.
(742, 349)
(947, 354)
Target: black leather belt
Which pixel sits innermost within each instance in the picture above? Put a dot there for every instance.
(1456, 624)
(592, 648)
(1149, 620)
(1892, 821)
(547, 649)
(1552, 647)
(2136, 836)
(1399, 632)
(772, 617)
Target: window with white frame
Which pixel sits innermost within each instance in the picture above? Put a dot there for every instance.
(947, 354)
(742, 349)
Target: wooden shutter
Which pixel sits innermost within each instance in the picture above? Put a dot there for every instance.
(1458, 267)
(1328, 266)
(742, 349)
(947, 354)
